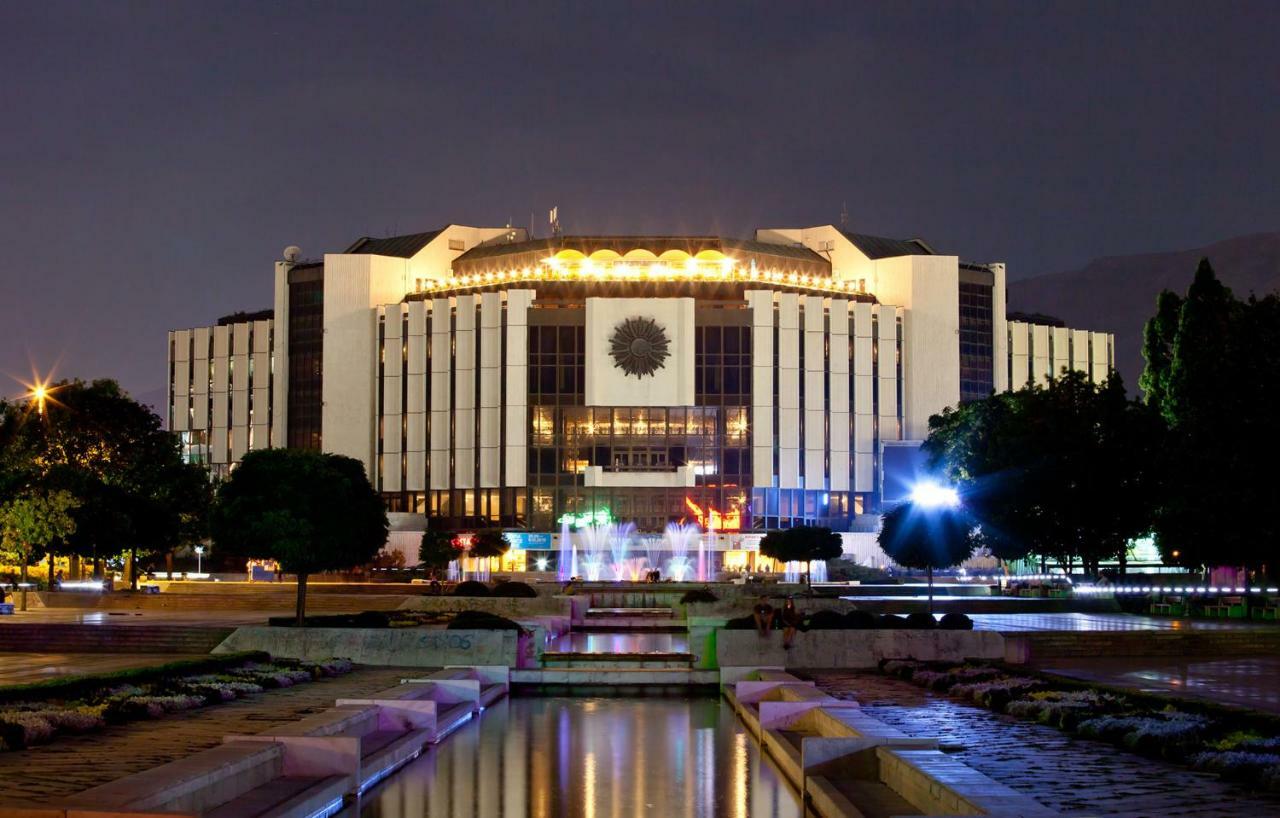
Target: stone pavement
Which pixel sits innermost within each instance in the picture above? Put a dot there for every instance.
(71, 764)
(1074, 776)
(1246, 681)
(24, 668)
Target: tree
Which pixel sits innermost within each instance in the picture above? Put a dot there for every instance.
(31, 523)
(135, 492)
(1068, 470)
(489, 543)
(437, 550)
(931, 538)
(1220, 370)
(309, 511)
(802, 543)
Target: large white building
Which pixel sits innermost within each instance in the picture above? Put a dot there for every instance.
(534, 383)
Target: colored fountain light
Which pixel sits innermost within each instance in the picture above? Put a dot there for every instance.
(679, 538)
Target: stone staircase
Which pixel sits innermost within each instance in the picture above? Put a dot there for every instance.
(76, 638)
(624, 620)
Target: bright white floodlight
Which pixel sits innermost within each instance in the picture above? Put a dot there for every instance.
(934, 495)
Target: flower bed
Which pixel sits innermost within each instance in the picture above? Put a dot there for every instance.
(93, 706)
(1205, 737)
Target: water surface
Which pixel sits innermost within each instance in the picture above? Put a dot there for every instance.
(590, 758)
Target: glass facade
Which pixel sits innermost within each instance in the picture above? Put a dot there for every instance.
(306, 352)
(977, 350)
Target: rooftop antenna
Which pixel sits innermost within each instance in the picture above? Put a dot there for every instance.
(844, 215)
(554, 218)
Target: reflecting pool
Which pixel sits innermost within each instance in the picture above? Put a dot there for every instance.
(589, 757)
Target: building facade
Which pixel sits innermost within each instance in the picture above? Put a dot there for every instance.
(484, 377)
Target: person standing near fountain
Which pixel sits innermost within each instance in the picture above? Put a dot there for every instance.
(762, 613)
(790, 616)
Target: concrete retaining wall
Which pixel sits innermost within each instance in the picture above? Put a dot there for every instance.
(404, 647)
(854, 648)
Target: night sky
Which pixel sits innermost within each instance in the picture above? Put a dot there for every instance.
(156, 157)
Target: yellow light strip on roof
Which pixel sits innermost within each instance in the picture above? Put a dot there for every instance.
(586, 269)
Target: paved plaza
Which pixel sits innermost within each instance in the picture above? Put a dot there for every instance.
(1074, 776)
(1029, 622)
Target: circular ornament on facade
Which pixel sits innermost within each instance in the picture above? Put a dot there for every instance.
(639, 346)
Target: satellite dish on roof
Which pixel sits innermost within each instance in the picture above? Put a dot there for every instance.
(292, 253)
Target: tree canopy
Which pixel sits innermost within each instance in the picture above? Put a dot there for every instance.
(1068, 469)
(489, 543)
(134, 491)
(927, 538)
(437, 550)
(310, 511)
(31, 522)
(801, 543)
(1213, 373)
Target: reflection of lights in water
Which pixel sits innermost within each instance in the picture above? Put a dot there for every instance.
(739, 774)
(589, 785)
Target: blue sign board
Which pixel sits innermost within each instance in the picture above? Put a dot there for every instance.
(528, 541)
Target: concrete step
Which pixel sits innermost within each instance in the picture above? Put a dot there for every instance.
(619, 661)
(606, 625)
(630, 613)
(615, 677)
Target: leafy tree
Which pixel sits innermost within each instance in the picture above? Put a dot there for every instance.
(489, 543)
(1157, 348)
(30, 523)
(309, 511)
(927, 538)
(437, 550)
(1222, 374)
(802, 543)
(1067, 470)
(135, 492)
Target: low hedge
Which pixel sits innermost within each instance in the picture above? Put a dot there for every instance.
(471, 588)
(513, 590)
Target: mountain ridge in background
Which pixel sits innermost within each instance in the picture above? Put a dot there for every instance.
(1118, 293)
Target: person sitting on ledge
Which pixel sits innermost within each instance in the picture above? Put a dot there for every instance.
(762, 613)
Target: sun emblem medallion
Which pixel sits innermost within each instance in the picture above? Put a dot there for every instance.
(639, 346)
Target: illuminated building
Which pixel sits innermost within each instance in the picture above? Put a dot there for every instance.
(744, 384)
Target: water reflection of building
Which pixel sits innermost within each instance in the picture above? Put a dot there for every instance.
(482, 376)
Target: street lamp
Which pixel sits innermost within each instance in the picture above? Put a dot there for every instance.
(199, 560)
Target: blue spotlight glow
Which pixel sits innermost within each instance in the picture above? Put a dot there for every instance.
(934, 495)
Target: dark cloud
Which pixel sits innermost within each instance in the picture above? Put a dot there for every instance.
(156, 157)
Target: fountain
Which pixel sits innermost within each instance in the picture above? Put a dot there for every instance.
(566, 565)
(678, 538)
(794, 571)
(606, 541)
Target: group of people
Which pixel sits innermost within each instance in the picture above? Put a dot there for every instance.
(768, 618)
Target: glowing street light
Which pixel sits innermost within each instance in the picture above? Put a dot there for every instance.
(199, 559)
(929, 494)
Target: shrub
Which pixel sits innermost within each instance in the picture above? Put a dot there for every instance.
(840, 570)
(26, 729)
(471, 588)
(940, 681)
(825, 620)
(860, 620)
(1238, 765)
(698, 595)
(902, 668)
(891, 622)
(955, 622)
(1063, 709)
(1170, 735)
(740, 623)
(921, 621)
(513, 590)
(484, 621)
(998, 692)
